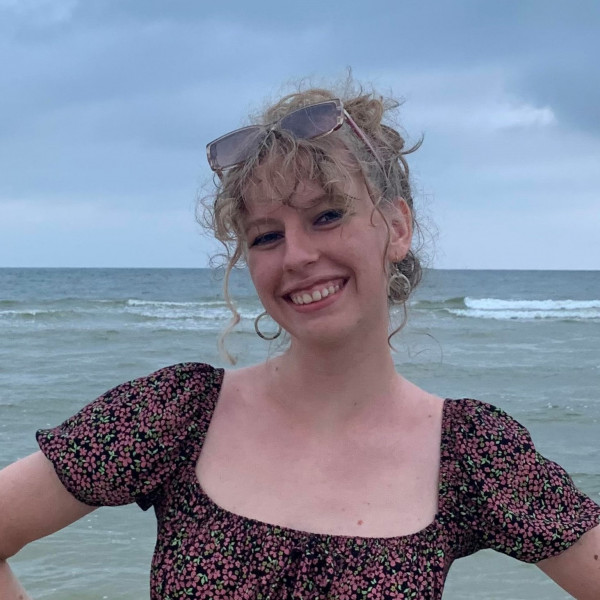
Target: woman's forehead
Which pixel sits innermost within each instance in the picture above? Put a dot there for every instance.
(280, 176)
(277, 179)
(301, 194)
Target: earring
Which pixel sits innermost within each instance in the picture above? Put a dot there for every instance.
(398, 286)
(270, 337)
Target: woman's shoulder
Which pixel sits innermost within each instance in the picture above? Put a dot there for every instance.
(174, 384)
(197, 373)
(482, 439)
(119, 447)
(162, 392)
(511, 497)
(470, 419)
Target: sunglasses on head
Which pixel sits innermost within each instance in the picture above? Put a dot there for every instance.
(307, 123)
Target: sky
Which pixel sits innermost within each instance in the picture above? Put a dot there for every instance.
(106, 107)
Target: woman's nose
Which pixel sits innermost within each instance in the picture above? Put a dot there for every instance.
(300, 249)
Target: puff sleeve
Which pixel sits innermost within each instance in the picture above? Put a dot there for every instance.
(126, 444)
(521, 504)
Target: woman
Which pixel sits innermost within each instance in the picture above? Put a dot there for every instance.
(321, 473)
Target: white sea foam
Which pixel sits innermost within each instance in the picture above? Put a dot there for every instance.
(208, 315)
(39, 312)
(184, 315)
(525, 315)
(497, 304)
(25, 313)
(495, 308)
(158, 303)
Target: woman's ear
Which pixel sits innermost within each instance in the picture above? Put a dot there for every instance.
(400, 230)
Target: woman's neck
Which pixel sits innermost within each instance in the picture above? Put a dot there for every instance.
(327, 389)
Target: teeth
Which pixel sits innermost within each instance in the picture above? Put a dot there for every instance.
(317, 295)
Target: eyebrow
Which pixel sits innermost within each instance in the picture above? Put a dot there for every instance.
(266, 220)
(260, 221)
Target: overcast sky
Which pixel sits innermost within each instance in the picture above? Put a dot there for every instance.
(106, 107)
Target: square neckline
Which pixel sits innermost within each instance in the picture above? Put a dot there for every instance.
(293, 533)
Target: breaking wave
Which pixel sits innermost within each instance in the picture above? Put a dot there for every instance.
(526, 310)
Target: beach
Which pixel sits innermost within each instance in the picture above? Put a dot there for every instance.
(526, 341)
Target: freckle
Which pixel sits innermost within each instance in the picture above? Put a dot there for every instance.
(360, 522)
(595, 557)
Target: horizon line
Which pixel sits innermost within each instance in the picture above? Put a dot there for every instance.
(245, 268)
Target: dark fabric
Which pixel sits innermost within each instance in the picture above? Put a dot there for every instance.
(140, 443)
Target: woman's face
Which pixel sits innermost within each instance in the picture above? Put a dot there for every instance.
(319, 272)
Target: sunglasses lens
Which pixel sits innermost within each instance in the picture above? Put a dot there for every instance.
(312, 121)
(306, 123)
(234, 148)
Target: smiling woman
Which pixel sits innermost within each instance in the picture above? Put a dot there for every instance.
(308, 257)
(292, 147)
(321, 472)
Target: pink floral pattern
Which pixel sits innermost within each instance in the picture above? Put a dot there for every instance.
(140, 442)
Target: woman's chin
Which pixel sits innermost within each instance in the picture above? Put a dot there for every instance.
(328, 335)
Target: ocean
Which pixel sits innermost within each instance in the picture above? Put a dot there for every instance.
(527, 341)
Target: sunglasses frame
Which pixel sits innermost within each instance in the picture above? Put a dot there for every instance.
(341, 117)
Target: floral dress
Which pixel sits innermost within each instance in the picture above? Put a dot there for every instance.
(140, 443)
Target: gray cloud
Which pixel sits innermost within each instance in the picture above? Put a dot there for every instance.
(572, 90)
(110, 102)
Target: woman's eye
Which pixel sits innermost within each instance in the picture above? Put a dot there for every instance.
(265, 238)
(329, 216)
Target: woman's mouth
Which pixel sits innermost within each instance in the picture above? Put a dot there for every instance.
(318, 292)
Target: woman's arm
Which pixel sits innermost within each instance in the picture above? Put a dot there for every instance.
(577, 570)
(33, 504)
(9, 585)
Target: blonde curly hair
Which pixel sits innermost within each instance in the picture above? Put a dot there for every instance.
(283, 159)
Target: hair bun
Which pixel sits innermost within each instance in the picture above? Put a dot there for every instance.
(394, 140)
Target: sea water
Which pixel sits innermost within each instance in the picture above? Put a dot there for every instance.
(527, 341)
